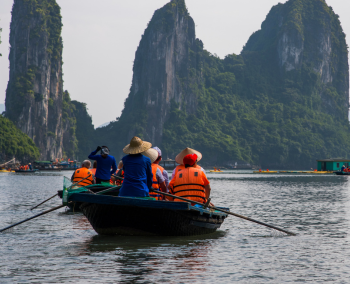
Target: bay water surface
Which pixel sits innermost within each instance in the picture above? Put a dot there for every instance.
(62, 247)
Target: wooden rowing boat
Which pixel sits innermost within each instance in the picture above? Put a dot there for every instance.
(111, 215)
(26, 172)
(94, 188)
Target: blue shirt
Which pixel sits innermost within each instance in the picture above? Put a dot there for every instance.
(137, 176)
(104, 165)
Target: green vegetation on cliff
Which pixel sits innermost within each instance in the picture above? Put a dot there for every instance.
(44, 20)
(14, 143)
(252, 109)
(84, 131)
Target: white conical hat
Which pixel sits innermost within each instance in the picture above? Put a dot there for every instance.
(151, 153)
(179, 158)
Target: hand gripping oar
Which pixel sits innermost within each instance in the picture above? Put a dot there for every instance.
(227, 212)
(56, 193)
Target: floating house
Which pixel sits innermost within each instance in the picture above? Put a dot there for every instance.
(332, 164)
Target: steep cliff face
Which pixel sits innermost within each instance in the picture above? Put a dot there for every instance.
(161, 72)
(34, 92)
(281, 103)
(307, 35)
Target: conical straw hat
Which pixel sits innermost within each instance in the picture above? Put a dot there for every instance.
(179, 158)
(151, 153)
(136, 146)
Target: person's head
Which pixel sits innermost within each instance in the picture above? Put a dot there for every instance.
(104, 151)
(86, 164)
(95, 165)
(120, 165)
(159, 155)
(190, 160)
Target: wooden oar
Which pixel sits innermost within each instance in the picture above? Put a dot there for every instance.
(35, 216)
(227, 212)
(43, 201)
(56, 193)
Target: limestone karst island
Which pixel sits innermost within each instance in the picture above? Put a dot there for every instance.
(202, 142)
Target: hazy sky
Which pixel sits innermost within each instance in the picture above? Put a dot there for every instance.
(100, 39)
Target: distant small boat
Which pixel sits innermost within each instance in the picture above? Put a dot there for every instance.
(213, 171)
(26, 171)
(340, 173)
(4, 171)
(265, 172)
(111, 215)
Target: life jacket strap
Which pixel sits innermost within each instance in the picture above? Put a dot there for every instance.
(188, 184)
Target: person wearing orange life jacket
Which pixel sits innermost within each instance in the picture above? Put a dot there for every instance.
(158, 182)
(82, 173)
(179, 159)
(190, 183)
(119, 173)
(26, 167)
(164, 172)
(94, 167)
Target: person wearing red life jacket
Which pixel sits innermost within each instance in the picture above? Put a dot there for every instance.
(82, 173)
(158, 181)
(190, 183)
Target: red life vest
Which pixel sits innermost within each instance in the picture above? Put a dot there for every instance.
(189, 184)
(155, 184)
(83, 173)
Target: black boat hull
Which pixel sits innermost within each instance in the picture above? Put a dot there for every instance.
(148, 217)
(342, 173)
(26, 172)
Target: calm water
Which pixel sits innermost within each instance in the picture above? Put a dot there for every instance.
(62, 247)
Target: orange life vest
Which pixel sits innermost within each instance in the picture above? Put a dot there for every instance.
(160, 167)
(155, 184)
(189, 184)
(83, 173)
(120, 181)
(93, 171)
(182, 167)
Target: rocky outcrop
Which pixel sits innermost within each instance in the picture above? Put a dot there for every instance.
(281, 103)
(307, 34)
(34, 92)
(162, 72)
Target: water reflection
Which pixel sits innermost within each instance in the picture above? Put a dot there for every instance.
(138, 258)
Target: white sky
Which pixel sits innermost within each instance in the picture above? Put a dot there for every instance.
(100, 39)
